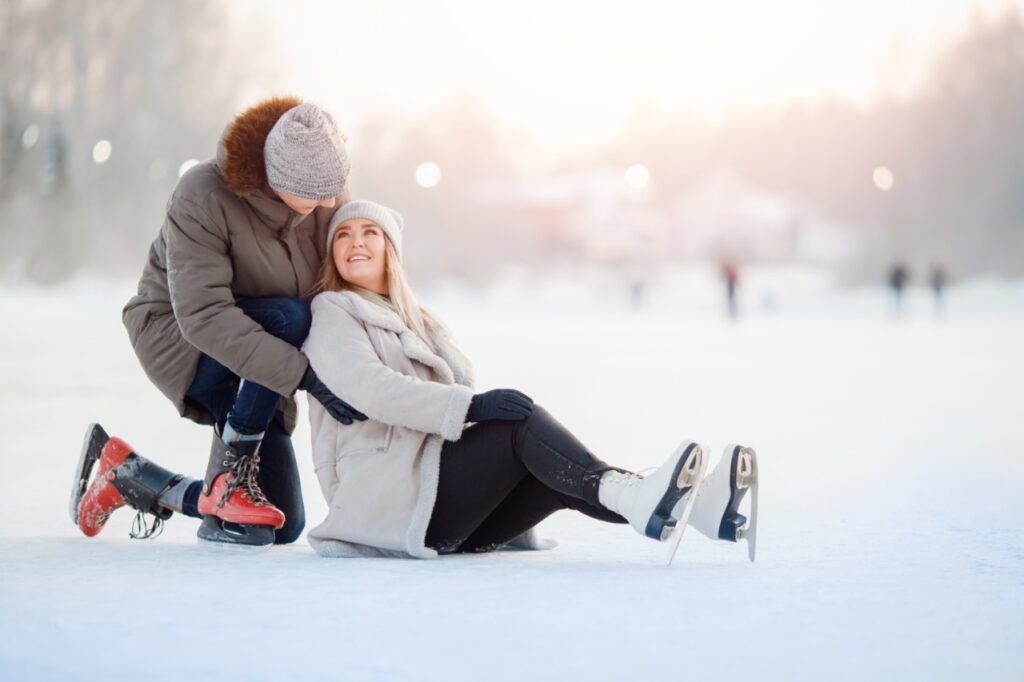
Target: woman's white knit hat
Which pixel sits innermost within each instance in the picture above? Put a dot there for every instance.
(389, 220)
(305, 154)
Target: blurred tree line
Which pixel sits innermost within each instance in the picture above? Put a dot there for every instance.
(159, 80)
(450, 231)
(153, 79)
(954, 149)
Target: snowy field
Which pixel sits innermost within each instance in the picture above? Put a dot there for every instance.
(890, 543)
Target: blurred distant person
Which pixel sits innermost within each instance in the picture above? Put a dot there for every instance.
(730, 277)
(221, 312)
(938, 280)
(899, 275)
(637, 291)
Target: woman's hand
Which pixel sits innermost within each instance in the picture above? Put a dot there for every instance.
(503, 404)
(334, 405)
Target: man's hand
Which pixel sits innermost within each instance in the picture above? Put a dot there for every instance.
(334, 405)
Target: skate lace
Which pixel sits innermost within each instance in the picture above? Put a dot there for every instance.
(142, 530)
(245, 470)
(617, 477)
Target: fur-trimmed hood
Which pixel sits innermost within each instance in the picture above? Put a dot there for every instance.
(240, 150)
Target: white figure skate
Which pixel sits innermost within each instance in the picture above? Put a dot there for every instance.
(657, 505)
(716, 510)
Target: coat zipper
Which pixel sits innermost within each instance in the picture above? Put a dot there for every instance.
(290, 229)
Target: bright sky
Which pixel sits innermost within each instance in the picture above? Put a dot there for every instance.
(571, 73)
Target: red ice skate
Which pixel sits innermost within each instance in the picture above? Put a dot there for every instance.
(232, 501)
(123, 478)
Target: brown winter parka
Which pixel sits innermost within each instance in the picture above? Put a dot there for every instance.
(226, 236)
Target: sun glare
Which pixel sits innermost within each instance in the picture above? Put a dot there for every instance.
(591, 68)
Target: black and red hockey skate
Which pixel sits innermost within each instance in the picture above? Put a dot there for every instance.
(123, 478)
(234, 507)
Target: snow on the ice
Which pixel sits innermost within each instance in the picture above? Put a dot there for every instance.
(890, 543)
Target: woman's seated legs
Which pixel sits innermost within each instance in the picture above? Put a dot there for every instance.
(486, 467)
(477, 473)
(557, 458)
(530, 503)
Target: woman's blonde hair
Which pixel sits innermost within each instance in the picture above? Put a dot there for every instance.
(400, 298)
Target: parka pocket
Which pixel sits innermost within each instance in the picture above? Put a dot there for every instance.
(362, 437)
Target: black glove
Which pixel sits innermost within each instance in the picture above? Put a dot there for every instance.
(334, 405)
(501, 403)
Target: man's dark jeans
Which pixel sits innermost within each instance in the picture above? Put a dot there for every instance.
(250, 408)
(216, 388)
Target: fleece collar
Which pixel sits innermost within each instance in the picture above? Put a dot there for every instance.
(448, 362)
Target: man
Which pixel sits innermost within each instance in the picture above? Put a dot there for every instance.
(221, 311)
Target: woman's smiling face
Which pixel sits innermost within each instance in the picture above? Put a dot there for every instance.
(360, 254)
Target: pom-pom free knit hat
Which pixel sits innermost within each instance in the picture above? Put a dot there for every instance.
(305, 154)
(389, 220)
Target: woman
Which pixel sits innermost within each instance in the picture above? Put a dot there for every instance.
(414, 479)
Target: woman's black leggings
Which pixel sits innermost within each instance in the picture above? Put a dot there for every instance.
(502, 478)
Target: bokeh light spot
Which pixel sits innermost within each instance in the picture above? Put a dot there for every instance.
(883, 178)
(30, 136)
(101, 151)
(637, 176)
(183, 168)
(428, 174)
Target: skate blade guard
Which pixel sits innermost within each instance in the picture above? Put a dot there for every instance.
(92, 448)
(689, 477)
(219, 535)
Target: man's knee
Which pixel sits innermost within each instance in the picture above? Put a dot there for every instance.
(298, 320)
(279, 478)
(288, 319)
(294, 524)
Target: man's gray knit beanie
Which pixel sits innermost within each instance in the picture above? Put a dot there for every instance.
(389, 220)
(305, 154)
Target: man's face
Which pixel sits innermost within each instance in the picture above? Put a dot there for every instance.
(303, 206)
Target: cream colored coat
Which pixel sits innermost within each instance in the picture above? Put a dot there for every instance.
(380, 476)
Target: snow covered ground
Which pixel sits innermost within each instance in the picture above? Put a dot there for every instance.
(890, 547)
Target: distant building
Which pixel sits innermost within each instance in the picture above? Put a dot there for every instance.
(722, 214)
(594, 214)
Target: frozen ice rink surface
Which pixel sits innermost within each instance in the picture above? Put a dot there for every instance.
(890, 544)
